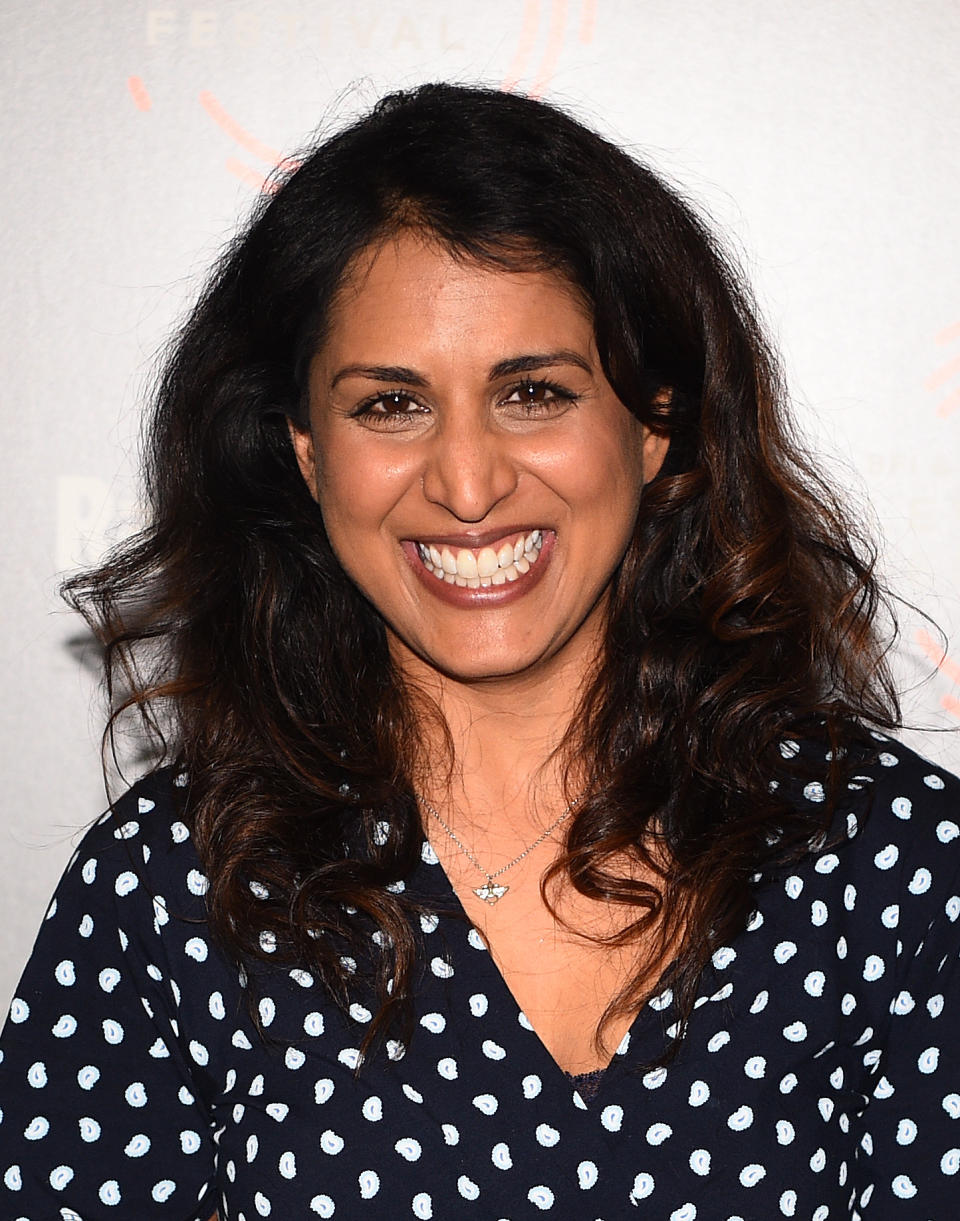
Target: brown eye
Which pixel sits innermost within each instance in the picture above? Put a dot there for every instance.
(394, 402)
(536, 392)
(538, 395)
(391, 405)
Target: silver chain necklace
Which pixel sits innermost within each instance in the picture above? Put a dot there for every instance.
(491, 892)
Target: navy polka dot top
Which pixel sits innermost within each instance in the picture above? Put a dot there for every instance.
(819, 1076)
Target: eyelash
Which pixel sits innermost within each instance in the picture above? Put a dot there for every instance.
(364, 410)
(558, 394)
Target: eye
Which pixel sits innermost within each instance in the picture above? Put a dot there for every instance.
(539, 398)
(390, 407)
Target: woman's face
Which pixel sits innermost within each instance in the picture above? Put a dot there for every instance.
(477, 475)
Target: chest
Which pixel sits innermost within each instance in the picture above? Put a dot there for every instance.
(764, 1102)
(556, 955)
(474, 1107)
(557, 958)
(563, 981)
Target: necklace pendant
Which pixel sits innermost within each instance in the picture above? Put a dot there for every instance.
(490, 892)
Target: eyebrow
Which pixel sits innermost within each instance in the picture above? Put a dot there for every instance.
(527, 363)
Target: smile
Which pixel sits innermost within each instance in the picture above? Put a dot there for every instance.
(505, 561)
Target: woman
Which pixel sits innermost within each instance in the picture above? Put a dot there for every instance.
(523, 847)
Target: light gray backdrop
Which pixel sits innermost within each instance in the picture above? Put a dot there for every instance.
(821, 137)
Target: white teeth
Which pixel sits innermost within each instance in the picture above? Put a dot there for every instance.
(487, 562)
(483, 568)
(466, 564)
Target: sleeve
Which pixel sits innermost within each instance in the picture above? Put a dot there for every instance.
(101, 1114)
(908, 1158)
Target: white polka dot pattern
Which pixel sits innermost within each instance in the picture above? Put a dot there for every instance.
(817, 1077)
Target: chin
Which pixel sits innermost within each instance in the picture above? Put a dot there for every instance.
(492, 672)
(474, 663)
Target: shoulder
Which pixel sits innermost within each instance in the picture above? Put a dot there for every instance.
(913, 820)
(895, 840)
(890, 791)
(141, 846)
(909, 803)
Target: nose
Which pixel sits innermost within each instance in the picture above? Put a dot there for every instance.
(469, 469)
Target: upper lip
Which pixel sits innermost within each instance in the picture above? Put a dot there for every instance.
(473, 539)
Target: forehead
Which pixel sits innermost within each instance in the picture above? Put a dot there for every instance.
(409, 287)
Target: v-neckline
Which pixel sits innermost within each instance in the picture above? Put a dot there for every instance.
(646, 1024)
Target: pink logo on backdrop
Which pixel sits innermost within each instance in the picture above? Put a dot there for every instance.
(949, 667)
(249, 144)
(947, 372)
(544, 32)
(556, 35)
(138, 91)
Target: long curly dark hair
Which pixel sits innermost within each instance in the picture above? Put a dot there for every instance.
(744, 610)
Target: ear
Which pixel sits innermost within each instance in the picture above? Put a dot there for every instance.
(656, 444)
(303, 447)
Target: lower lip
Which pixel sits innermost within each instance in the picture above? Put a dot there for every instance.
(478, 599)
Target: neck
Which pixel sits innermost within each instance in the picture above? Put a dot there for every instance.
(507, 770)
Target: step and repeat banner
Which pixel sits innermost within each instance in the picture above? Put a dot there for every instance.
(819, 138)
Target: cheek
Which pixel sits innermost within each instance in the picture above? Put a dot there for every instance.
(626, 460)
(357, 486)
(603, 475)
